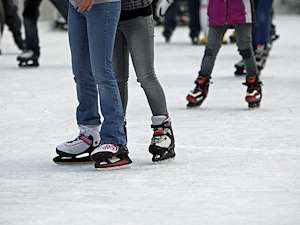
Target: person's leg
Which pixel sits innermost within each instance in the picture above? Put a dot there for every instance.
(263, 21)
(102, 22)
(30, 17)
(253, 83)
(244, 43)
(62, 7)
(170, 20)
(121, 66)
(215, 36)
(2, 21)
(87, 114)
(13, 22)
(139, 34)
(87, 94)
(199, 93)
(194, 22)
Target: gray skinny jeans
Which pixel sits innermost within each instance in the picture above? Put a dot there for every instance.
(244, 43)
(136, 36)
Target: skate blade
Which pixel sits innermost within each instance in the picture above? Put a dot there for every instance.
(164, 161)
(119, 165)
(70, 161)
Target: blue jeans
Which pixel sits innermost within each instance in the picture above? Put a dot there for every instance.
(263, 12)
(92, 36)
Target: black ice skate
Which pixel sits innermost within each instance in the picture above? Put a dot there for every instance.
(28, 58)
(254, 92)
(109, 156)
(162, 145)
(240, 68)
(199, 94)
(79, 149)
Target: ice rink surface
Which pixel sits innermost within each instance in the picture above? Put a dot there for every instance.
(233, 166)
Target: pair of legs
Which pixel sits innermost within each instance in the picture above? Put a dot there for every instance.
(244, 43)
(171, 22)
(136, 37)
(31, 15)
(91, 37)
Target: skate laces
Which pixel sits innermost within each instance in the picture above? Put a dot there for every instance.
(85, 139)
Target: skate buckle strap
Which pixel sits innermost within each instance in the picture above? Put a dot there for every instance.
(85, 139)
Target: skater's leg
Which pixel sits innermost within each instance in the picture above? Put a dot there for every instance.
(2, 19)
(244, 43)
(13, 22)
(62, 7)
(170, 21)
(139, 34)
(215, 36)
(121, 66)
(87, 94)
(263, 21)
(102, 22)
(194, 22)
(199, 93)
(253, 83)
(30, 16)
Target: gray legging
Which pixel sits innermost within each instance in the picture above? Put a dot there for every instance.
(136, 36)
(244, 43)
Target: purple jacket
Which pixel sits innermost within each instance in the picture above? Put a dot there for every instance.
(231, 12)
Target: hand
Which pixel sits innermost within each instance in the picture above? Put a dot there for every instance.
(84, 5)
(162, 7)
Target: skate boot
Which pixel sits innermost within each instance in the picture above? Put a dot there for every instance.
(162, 143)
(110, 156)
(203, 40)
(240, 68)
(79, 149)
(28, 58)
(195, 40)
(198, 95)
(254, 92)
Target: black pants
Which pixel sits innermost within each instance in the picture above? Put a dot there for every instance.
(2, 18)
(194, 23)
(31, 14)
(13, 21)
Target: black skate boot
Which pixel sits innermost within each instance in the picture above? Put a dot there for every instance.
(110, 156)
(240, 68)
(254, 91)
(28, 58)
(199, 94)
(79, 149)
(162, 143)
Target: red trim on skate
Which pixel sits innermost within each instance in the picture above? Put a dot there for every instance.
(85, 139)
(251, 98)
(120, 163)
(191, 99)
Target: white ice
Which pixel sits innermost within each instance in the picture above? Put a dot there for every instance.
(233, 166)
